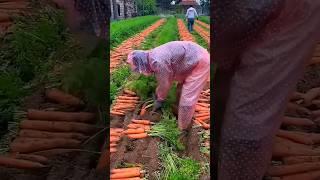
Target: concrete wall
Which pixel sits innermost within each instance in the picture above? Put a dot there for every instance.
(130, 6)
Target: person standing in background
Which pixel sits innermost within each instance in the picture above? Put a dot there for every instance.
(191, 15)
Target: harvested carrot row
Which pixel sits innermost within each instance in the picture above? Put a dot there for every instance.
(114, 138)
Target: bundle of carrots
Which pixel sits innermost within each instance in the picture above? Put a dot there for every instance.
(203, 33)
(202, 114)
(203, 24)
(300, 158)
(131, 173)
(126, 47)
(138, 129)
(125, 103)
(115, 136)
(184, 33)
(47, 130)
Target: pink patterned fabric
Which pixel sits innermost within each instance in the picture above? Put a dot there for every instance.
(182, 61)
(268, 70)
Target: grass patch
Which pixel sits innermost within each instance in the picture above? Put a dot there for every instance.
(205, 19)
(167, 130)
(168, 33)
(123, 29)
(118, 79)
(177, 168)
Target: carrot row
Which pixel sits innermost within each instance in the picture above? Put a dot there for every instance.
(203, 33)
(125, 103)
(202, 114)
(115, 136)
(137, 129)
(184, 33)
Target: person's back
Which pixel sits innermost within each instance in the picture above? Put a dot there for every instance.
(181, 56)
(191, 13)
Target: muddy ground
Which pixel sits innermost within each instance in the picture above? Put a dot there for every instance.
(68, 166)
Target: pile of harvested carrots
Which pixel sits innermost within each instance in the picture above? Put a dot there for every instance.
(296, 148)
(46, 133)
(115, 136)
(138, 129)
(202, 114)
(203, 33)
(203, 24)
(183, 31)
(131, 173)
(121, 51)
(124, 103)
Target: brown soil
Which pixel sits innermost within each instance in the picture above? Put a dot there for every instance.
(68, 166)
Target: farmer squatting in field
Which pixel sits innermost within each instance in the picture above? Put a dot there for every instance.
(261, 48)
(182, 61)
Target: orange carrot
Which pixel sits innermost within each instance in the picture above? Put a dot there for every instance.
(128, 98)
(61, 97)
(203, 119)
(117, 113)
(118, 170)
(300, 159)
(203, 114)
(28, 145)
(31, 157)
(114, 138)
(147, 128)
(129, 92)
(297, 121)
(145, 122)
(203, 105)
(205, 125)
(127, 174)
(61, 116)
(199, 108)
(115, 134)
(127, 101)
(54, 126)
(283, 170)
(135, 126)
(112, 150)
(138, 136)
(134, 131)
(113, 144)
(117, 129)
(46, 134)
(19, 163)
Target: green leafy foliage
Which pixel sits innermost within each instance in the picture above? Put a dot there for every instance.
(168, 130)
(177, 168)
(205, 19)
(144, 86)
(123, 29)
(118, 80)
(34, 39)
(87, 78)
(146, 7)
(168, 33)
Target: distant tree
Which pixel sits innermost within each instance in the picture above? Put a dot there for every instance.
(146, 7)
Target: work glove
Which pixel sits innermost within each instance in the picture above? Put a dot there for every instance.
(157, 105)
